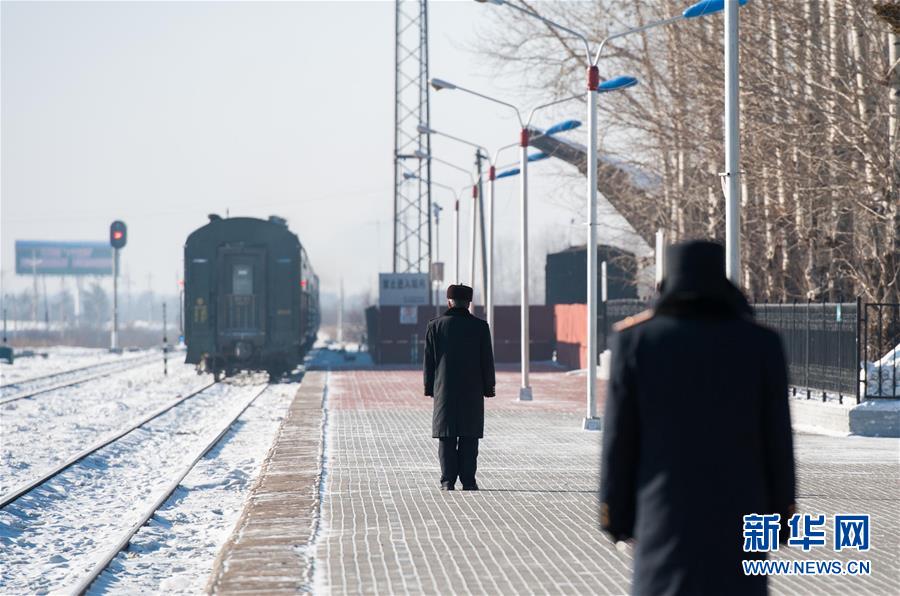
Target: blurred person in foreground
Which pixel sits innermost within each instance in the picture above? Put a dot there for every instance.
(459, 374)
(697, 432)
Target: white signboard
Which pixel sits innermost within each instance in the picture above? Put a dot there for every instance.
(402, 289)
(409, 315)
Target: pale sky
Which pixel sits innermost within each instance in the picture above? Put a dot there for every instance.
(160, 113)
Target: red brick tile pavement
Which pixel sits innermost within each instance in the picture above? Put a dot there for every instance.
(392, 388)
(385, 528)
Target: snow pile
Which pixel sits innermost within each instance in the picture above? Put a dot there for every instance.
(883, 377)
(602, 367)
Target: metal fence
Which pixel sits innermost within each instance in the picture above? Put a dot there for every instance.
(833, 350)
(879, 342)
(613, 311)
(820, 344)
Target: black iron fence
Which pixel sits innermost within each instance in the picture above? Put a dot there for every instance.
(613, 311)
(820, 344)
(834, 350)
(879, 346)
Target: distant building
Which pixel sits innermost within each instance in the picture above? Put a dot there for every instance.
(567, 280)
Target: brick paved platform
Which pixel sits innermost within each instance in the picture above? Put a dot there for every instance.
(267, 553)
(384, 527)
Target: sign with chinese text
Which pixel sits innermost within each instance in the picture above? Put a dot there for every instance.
(63, 258)
(402, 289)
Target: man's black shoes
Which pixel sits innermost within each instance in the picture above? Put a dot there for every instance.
(452, 486)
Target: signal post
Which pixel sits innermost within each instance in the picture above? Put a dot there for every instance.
(118, 237)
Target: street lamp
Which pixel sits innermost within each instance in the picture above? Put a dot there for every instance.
(457, 193)
(702, 8)
(492, 158)
(525, 393)
(422, 155)
(487, 262)
(436, 209)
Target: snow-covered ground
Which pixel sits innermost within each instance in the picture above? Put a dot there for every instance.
(52, 535)
(174, 552)
(43, 431)
(58, 359)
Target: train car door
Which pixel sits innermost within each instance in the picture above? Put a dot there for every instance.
(242, 291)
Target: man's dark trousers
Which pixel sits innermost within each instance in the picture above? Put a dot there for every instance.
(459, 458)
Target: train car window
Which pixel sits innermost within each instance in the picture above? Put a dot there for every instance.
(242, 280)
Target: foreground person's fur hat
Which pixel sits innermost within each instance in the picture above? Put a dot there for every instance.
(459, 292)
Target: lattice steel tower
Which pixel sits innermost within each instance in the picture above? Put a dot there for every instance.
(412, 173)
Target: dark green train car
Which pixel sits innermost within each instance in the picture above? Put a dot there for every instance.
(251, 297)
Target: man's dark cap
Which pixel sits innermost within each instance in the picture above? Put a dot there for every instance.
(695, 273)
(459, 292)
(695, 265)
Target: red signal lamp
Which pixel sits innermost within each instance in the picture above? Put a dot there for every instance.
(118, 234)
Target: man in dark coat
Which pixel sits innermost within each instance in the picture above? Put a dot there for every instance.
(459, 374)
(697, 432)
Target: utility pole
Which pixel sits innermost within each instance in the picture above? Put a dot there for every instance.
(437, 275)
(46, 304)
(732, 144)
(484, 272)
(165, 341)
(340, 324)
(660, 257)
(34, 278)
(118, 237)
(114, 333)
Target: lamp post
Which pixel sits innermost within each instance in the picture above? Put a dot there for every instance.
(489, 241)
(704, 7)
(456, 194)
(525, 392)
(422, 155)
(436, 209)
(732, 147)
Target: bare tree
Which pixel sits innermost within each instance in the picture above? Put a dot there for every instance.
(819, 101)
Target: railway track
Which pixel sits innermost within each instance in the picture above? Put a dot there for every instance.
(111, 438)
(83, 374)
(98, 562)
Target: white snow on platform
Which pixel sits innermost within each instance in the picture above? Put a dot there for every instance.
(883, 377)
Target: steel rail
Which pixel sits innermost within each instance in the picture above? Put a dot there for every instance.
(71, 370)
(123, 366)
(85, 583)
(29, 486)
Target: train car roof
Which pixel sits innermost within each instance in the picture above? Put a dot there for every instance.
(223, 225)
(219, 229)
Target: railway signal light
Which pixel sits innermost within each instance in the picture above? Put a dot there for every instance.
(118, 234)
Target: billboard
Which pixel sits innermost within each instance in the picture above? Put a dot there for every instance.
(63, 258)
(402, 289)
